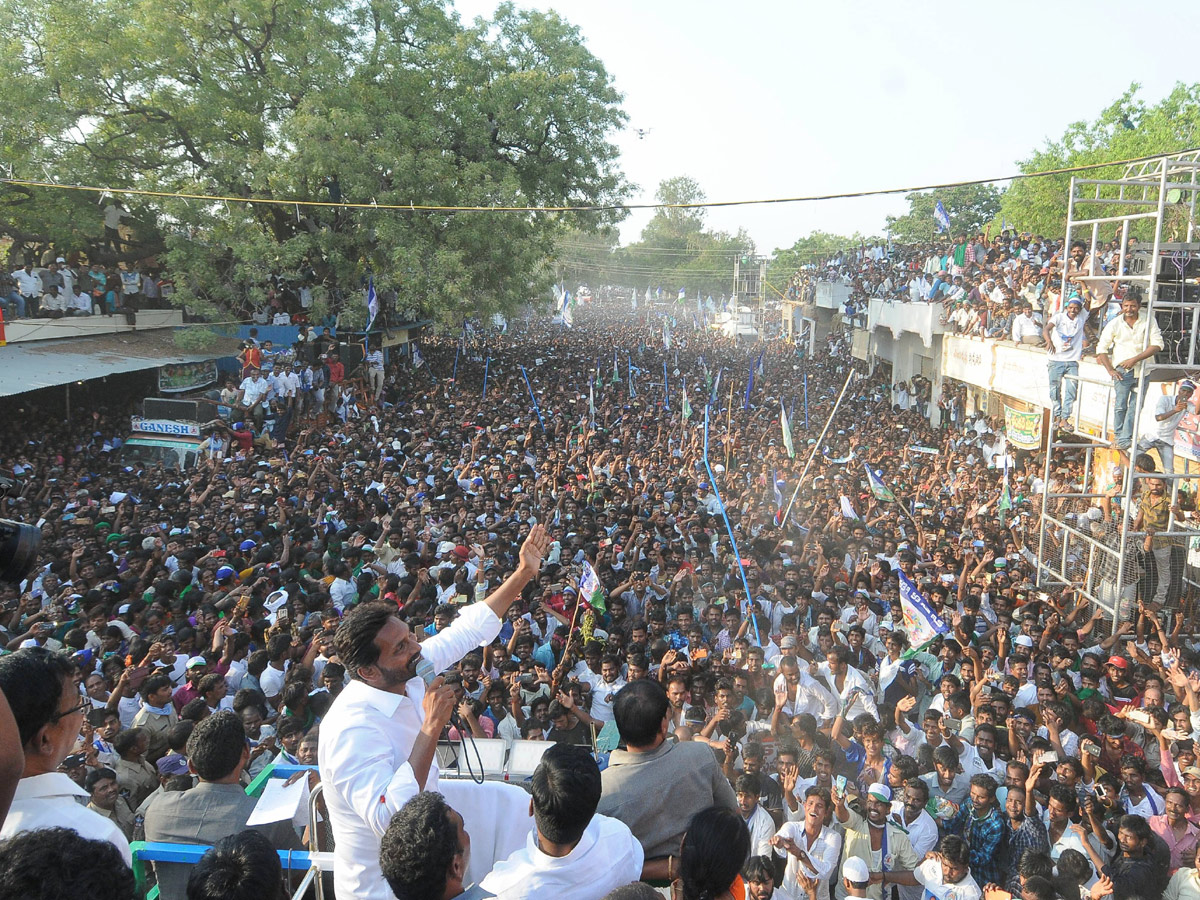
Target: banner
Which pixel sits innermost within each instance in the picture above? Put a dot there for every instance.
(1023, 429)
(180, 377)
(921, 623)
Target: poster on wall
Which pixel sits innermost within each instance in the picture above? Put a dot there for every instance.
(1024, 429)
(175, 379)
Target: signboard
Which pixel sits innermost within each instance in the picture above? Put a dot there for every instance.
(1023, 429)
(165, 427)
(1021, 373)
(177, 378)
(968, 360)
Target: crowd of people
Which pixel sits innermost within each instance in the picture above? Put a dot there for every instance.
(779, 735)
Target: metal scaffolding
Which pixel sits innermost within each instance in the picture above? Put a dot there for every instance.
(1086, 537)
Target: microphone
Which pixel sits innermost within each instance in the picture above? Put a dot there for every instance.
(426, 671)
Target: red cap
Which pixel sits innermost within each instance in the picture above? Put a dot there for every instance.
(1119, 661)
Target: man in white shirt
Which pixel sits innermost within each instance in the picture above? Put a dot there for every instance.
(49, 714)
(380, 735)
(1159, 422)
(1064, 342)
(758, 821)
(29, 286)
(573, 851)
(1125, 343)
(810, 846)
(1025, 329)
(604, 688)
(251, 393)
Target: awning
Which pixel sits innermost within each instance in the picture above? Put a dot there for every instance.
(32, 365)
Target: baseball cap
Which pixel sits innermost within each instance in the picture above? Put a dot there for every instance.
(1119, 661)
(855, 870)
(74, 761)
(224, 572)
(196, 661)
(173, 764)
(880, 791)
(1074, 298)
(1193, 771)
(247, 545)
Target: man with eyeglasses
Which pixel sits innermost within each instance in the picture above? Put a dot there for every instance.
(49, 712)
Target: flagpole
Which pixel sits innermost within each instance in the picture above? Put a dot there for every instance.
(805, 399)
(729, 425)
(733, 540)
(486, 364)
(541, 424)
(817, 445)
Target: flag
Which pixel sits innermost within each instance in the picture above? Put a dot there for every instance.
(568, 309)
(682, 295)
(848, 510)
(687, 407)
(749, 388)
(590, 591)
(758, 366)
(616, 379)
(634, 298)
(878, 488)
(921, 623)
(592, 403)
(777, 489)
(372, 303)
(666, 335)
(716, 387)
(787, 432)
(941, 218)
(417, 359)
(1005, 503)
(666, 387)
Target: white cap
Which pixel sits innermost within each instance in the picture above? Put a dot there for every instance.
(855, 869)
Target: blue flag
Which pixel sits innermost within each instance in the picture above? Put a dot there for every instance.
(921, 623)
(941, 218)
(749, 388)
(372, 303)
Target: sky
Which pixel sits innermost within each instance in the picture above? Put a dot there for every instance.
(758, 100)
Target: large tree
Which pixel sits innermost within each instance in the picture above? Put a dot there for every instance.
(357, 101)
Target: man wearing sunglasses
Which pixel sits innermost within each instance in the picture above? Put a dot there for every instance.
(49, 712)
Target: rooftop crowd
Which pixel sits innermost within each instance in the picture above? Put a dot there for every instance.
(780, 736)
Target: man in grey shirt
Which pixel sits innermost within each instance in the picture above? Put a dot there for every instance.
(216, 807)
(685, 777)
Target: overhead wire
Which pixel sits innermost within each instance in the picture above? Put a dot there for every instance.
(598, 207)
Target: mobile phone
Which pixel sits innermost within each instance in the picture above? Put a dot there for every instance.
(1046, 756)
(219, 553)
(1091, 749)
(839, 785)
(952, 723)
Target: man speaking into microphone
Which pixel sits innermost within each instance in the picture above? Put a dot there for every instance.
(379, 738)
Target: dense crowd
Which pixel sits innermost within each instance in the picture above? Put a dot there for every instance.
(779, 734)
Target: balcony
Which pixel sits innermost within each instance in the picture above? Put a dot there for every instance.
(88, 326)
(1019, 371)
(924, 319)
(832, 295)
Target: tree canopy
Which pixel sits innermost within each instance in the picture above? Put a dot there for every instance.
(1127, 129)
(970, 207)
(358, 101)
